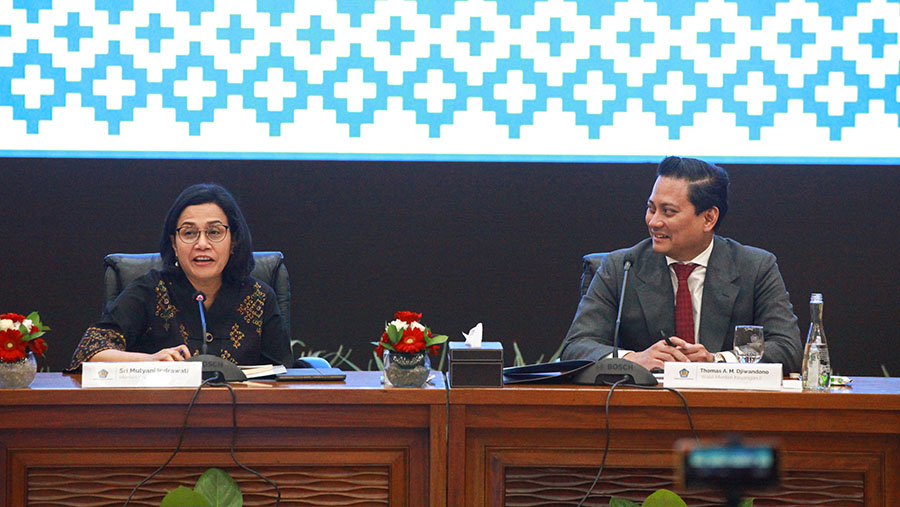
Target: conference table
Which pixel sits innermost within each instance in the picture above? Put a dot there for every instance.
(358, 443)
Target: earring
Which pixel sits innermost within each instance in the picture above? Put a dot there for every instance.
(176, 263)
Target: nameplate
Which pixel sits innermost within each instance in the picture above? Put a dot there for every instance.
(762, 377)
(142, 374)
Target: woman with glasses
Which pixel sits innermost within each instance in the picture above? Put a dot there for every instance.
(205, 247)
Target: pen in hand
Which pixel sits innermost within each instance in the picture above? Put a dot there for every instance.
(666, 338)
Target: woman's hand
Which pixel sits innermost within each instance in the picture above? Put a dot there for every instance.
(179, 353)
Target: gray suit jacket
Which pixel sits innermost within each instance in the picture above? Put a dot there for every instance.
(742, 286)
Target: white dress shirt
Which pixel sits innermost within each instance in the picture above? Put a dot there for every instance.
(695, 286)
(695, 283)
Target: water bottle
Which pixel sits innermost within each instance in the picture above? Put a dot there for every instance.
(816, 374)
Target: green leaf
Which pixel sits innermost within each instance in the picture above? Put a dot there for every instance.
(378, 361)
(747, 502)
(394, 334)
(340, 358)
(36, 321)
(387, 346)
(436, 339)
(663, 498)
(32, 337)
(621, 502)
(518, 359)
(219, 489)
(184, 497)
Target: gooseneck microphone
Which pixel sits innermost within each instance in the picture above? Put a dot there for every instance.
(200, 297)
(612, 369)
(213, 366)
(615, 353)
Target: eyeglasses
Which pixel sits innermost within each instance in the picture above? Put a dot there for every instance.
(190, 234)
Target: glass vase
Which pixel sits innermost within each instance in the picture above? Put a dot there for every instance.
(403, 369)
(18, 373)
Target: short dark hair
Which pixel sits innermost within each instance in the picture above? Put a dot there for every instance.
(240, 263)
(708, 183)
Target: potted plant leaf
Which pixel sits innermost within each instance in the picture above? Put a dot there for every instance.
(663, 498)
(215, 488)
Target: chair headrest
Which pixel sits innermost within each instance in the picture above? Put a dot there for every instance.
(591, 266)
(127, 267)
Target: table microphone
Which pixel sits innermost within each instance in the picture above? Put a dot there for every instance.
(214, 366)
(612, 369)
(200, 297)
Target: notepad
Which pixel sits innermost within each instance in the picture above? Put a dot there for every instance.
(262, 370)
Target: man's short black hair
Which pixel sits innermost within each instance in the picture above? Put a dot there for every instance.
(241, 262)
(708, 183)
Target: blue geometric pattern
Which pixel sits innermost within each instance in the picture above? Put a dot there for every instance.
(155, 33)
(513, 79)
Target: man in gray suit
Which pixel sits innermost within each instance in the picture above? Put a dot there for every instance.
(717, 283)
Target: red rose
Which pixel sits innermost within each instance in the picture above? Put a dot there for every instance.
(15, 317)
(413, 340)
(379, 350)
(408, 317)
(38, 346)
(12, 348)
(385, 338)
(34, 329)
(434, 349)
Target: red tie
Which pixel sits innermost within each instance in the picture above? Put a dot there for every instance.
(684, 310)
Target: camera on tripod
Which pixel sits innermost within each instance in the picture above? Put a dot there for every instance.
(732, 464)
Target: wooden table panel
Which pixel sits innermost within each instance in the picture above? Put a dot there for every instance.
(337, 443)
(542, 445)
(358, 442)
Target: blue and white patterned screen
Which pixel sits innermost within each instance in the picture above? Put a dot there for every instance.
(557, 80)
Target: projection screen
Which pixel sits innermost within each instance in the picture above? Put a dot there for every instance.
(579, 80)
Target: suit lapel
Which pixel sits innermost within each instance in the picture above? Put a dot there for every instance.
(719, 295)
(654, 290)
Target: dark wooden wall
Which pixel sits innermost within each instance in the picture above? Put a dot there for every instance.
(499, 243)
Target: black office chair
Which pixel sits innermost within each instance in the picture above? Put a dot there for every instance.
(591, 265)
(122, 269)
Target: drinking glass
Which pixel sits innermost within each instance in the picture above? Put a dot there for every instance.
(749, 343)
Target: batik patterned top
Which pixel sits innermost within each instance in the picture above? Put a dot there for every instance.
(157, 311)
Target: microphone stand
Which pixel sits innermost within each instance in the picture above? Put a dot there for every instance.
(615, 352)
(612, 369)
(216, 367)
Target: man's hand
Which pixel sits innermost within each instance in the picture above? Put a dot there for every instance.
(660, 352)
(657, 354)
(693, 351)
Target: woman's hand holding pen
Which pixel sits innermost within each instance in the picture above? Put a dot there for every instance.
(178, 353)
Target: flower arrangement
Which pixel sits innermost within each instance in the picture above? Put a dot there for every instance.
(406, 334)
(19, 334)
